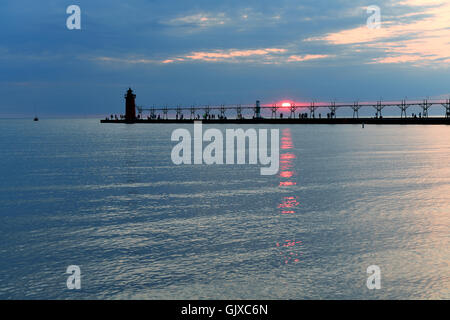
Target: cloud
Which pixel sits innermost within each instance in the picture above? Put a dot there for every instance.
(423, 39)
(200, 20)
(262, 56)
(398, 59)
(129, 60)
(297, 58)
(232, 55)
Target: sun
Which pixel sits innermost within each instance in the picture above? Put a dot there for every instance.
(285, 104)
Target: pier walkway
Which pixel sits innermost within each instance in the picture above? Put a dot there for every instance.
(379, 121)
(287, 113)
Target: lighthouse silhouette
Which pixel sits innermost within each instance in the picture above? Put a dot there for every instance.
(130, 106)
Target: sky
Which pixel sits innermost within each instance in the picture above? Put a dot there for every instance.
(183, 52)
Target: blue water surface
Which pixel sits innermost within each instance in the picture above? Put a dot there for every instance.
(108, 198)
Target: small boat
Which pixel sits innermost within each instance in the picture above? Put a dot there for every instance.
(35, 114)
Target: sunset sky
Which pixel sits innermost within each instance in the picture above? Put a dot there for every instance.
(213, 52)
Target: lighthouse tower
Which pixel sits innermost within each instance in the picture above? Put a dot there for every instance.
(130, 106)
(258, 109)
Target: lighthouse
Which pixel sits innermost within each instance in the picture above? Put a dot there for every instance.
(130, 106)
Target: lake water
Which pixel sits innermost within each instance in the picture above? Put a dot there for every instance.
(106, 197)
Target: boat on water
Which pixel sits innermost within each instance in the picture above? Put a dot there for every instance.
(36, 119)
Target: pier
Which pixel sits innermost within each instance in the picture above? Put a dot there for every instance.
(276, 114)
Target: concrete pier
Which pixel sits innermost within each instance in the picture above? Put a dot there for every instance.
(360, 121)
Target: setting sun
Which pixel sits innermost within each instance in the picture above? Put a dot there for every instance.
(286, 104)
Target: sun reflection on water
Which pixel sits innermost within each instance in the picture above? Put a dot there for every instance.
(288, 249)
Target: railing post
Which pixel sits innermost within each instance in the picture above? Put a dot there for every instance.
(293, 108)
(207, 109)
(332, 108)
(152, 113)
(239, 111)
(274, 111)
(312, 109)
(403, 108)
(425, 107)
(447, 108)
(379, 107)
(356, 110)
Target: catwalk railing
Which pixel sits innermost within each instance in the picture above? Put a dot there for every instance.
(304, 110)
